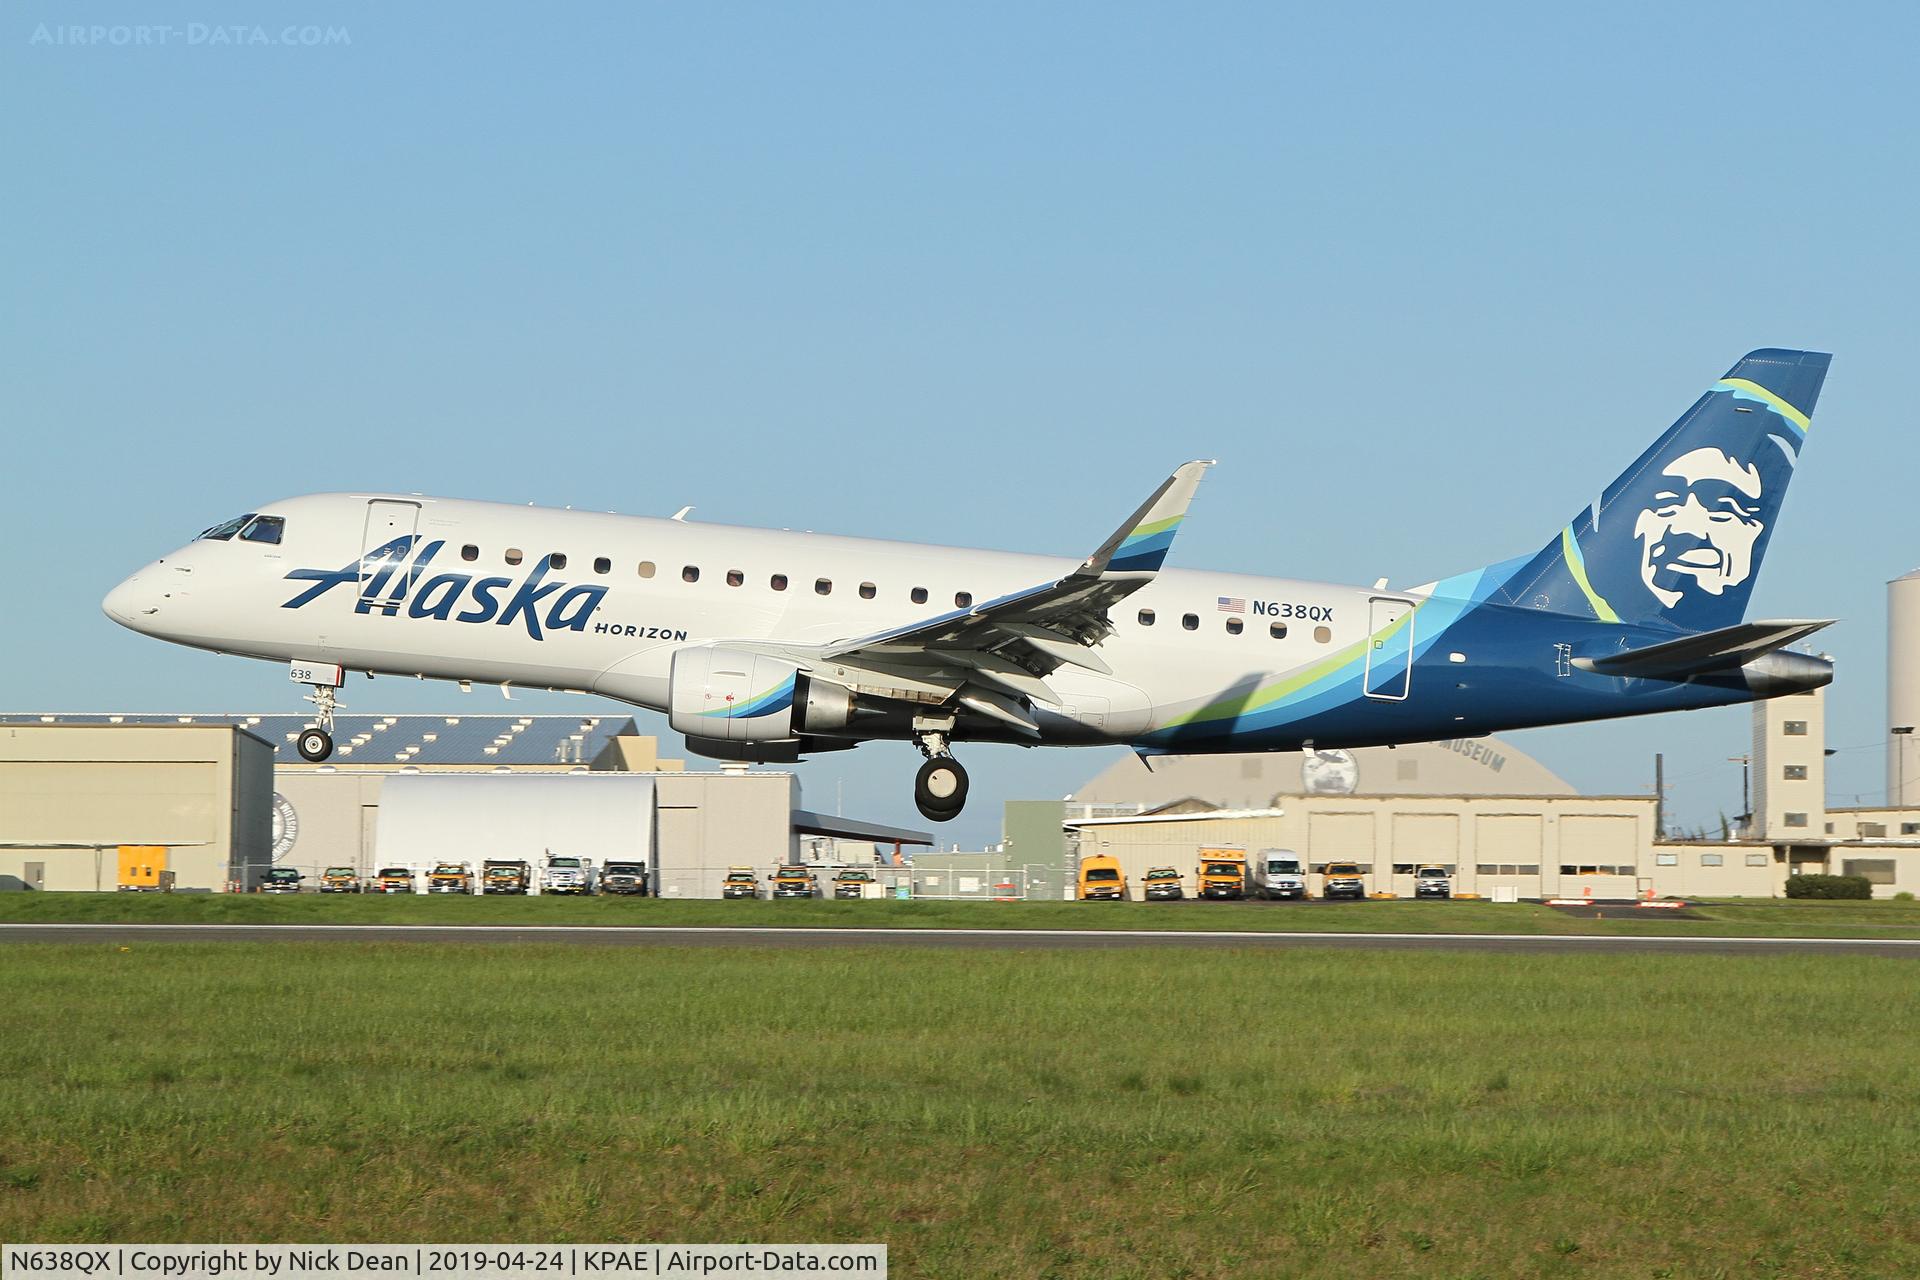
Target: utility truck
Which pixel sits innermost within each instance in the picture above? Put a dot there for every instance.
(281, 880)
(340, 880)
(625, 878)
(393, 880)
(450, 877)
(566, 874)
(1279, 873)
(1222, 872)
(505, 876)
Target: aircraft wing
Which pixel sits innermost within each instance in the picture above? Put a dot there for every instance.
(1729, 648)
(994, 656)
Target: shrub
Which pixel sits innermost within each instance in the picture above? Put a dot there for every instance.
(1829, 887)
(1903, 896)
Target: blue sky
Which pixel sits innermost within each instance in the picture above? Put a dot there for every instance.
(1422, 278)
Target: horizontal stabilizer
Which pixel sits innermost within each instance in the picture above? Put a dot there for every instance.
(1727, 649)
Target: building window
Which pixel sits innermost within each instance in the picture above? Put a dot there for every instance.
(469, 552)
(963, 599)
(1234, 626)
(1873, 831)
(1910, 828)
(555, 560)
(1278, 631)
(918, 595)
(1794, 728)
(1323, 635)
(1756, 859)
(1666, 859)
(778, 582)
(1712, 860)
(1191, 621)
(823, 586)
(690, 573)
(1794, 819)
(1794, 773)
(735, 578)
(602, 565)
(1874, 870)
(868, 591)
(1146, 617)
(646, 568)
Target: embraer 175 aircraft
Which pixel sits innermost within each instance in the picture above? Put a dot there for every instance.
(764, 645)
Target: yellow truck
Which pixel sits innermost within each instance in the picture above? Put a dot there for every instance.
(1343, 880)
(741, 882)
(795, 882)
(450, 877)
(393, 880)
(1101, 879)
(1222, 872)
(340, 880)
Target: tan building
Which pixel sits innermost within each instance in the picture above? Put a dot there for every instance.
(71, 795)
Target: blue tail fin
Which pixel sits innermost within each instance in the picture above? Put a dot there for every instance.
(1678, 538)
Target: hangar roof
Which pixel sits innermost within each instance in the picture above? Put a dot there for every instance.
(388, 742)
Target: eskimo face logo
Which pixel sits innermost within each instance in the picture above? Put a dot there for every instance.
(1700, 532)
(390, 586)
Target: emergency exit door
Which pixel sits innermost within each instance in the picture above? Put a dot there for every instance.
(388, 540)
(1389, 648)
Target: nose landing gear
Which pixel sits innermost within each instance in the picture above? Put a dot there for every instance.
(316, 743)
(940, 788)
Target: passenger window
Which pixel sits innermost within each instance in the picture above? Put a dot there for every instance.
(513, 555)
(1146, 617)
(1323, 635)
(264, 529)
(918, 595)
(735, 577)
(867, 591)
(778, 582)
(556, 561)
(224, 531)
(646, 568)
(1234, 626)
(602, 565)
(963, 599)
(1278, 631)
(1191, 621)
(690, 574)
(469, 552)
(823, 586)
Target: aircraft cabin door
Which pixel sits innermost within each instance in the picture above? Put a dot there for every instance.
(1389, 648)
(388, 540)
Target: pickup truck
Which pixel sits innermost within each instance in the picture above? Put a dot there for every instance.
(340, 880)
(450, 877)
(740, 883)
(1163, 884)
(624, 878)
(794, 882)
(567, 875)
(280, 880)
(851, 883)
(1343, 880)
(1432, 881)
(505, 876)
(393, 880)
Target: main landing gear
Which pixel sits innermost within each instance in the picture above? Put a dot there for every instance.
(316, 742)
(940, 788)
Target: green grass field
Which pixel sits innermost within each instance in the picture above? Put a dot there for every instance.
(1020, 1114)
(1879, 919)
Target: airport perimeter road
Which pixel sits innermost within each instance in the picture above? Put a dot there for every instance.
(1010, 939)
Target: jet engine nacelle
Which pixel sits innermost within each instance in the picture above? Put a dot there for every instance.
(728, 695)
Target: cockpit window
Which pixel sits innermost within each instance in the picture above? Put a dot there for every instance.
(222, 532)
(264, 529)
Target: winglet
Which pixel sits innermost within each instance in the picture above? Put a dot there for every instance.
(1140, 545)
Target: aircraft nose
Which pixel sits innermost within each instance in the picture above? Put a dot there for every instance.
(130, 602)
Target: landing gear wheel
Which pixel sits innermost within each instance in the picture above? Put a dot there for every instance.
(315, 745)
(940, 789)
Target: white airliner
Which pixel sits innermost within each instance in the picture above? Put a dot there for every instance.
(764, 645)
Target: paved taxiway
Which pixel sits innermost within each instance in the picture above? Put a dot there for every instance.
(1005, 939)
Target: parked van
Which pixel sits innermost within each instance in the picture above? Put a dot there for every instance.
(1101, 879)
(1278, 873)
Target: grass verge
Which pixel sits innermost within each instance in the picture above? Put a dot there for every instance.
(1878, 919)
(1066, 1114)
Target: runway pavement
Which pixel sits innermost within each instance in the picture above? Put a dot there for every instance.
(1012, 939)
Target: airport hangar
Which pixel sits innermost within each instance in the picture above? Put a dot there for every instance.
(218, 799)
(1503, 824)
